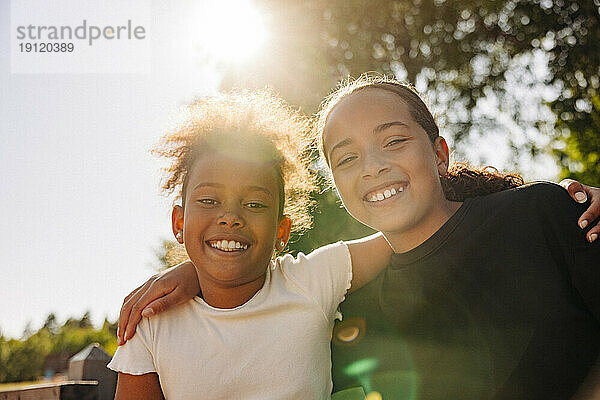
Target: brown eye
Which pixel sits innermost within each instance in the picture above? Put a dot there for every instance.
(394, 142)
(345, 160)
(209, 202)
(255, 205)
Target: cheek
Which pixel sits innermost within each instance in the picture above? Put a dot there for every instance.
(424, 162)
(351, 201)
(427, 178)
(344, 187)
(196, 219)
(264, 227)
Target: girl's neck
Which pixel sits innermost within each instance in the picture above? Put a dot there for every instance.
(222, 296)
(406, 240)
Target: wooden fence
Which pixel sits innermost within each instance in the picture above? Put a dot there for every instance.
(68, 390)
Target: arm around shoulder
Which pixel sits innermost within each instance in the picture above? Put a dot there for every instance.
(370, 255)
(330, 272)
(146, 386)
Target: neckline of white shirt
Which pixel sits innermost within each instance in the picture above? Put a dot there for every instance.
(253, 299)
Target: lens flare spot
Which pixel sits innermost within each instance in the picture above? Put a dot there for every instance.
(374, 396)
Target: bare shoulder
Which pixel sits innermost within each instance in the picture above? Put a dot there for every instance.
(145, 386)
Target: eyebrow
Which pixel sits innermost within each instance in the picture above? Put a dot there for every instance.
(220, 186)
(259, 189)
(376, 130)
(204, 184)
(387, 125)
(343, 143)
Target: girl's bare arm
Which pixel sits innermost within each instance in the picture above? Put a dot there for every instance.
(370, 255)
(133, 387)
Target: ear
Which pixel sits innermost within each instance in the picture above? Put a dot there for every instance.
(283, 233)
(177, 223)
(442, 155)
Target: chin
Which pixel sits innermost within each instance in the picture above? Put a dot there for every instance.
(390, 222)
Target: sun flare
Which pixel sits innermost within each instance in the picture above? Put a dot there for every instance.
(229, 30)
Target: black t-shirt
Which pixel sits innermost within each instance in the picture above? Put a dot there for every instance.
(502, 302)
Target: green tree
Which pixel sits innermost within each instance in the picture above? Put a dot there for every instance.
(580, 156)
(23, 360)
(51, 324)
(85, 321)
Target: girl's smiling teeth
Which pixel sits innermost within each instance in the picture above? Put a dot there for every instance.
(384, 193)
(227, 245)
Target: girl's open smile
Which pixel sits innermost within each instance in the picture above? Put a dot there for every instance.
(224, 245)
(229, 243)
(383, 192)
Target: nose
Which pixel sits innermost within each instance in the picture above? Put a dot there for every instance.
(373, 166)
(231, 218)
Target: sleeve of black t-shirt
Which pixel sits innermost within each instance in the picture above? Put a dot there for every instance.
(560, 216)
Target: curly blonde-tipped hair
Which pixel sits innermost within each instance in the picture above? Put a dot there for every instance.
(258, 122)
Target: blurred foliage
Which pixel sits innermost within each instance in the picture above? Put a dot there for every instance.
(170, 254)
(294, 62)
(331, 222)
(465, 50)
(23, 359)
(580, 157)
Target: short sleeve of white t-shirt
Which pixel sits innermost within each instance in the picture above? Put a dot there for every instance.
(135, 356)
(326, 275)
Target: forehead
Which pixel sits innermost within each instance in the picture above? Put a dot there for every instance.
(362, 110)
(233, 172)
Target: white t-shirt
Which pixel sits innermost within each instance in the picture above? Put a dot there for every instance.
(274, 346)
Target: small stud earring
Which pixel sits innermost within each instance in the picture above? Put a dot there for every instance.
(179, 237)
(282, 244)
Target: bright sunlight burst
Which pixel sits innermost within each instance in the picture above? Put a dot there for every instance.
(229, 30)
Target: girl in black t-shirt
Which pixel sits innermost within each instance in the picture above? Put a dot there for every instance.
(519, 304)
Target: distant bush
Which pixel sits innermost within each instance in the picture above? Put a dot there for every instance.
(23, 359)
